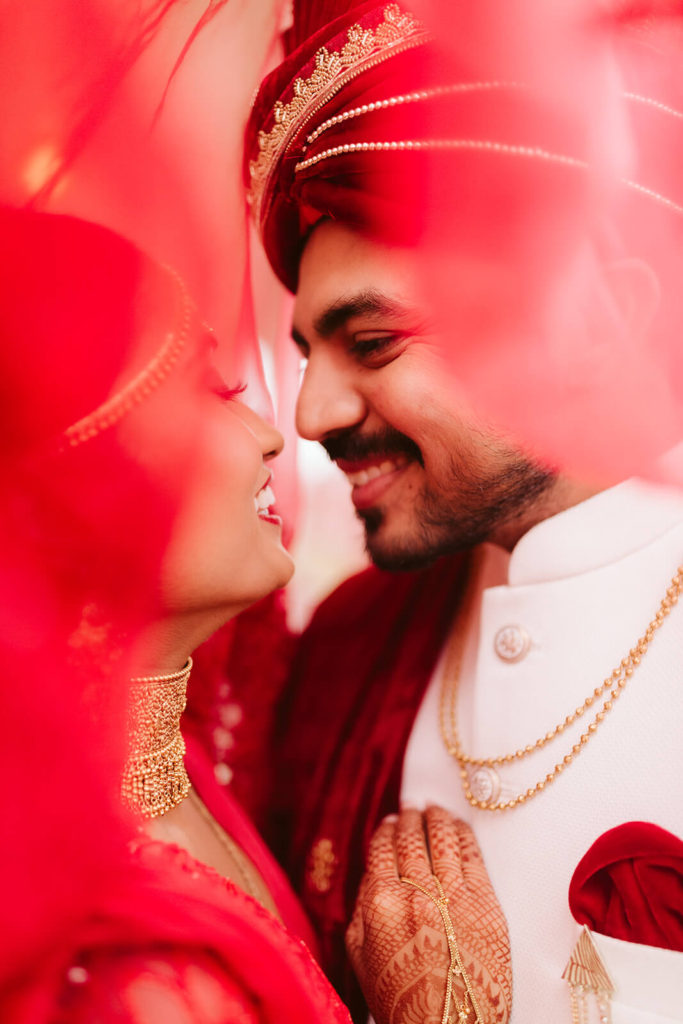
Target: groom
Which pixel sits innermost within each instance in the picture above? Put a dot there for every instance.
(518, 674)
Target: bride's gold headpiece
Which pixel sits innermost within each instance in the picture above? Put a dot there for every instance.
(114, 408)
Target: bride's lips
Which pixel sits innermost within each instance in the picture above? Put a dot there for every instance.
(370, 478)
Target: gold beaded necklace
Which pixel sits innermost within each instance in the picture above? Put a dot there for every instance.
(610, 689)
(154, 777)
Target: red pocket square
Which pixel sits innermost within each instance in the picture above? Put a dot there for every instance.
(629, 885)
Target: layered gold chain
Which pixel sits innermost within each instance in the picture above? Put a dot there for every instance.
(608, 692)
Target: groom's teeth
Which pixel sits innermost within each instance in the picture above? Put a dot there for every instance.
(363, 476)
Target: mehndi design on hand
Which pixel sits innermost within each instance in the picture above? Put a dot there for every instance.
(397, 939)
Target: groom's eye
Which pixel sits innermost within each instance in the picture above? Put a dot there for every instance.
(376, 348)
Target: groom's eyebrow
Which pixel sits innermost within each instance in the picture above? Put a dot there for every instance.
(338, 314)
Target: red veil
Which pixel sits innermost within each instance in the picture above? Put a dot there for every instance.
(88, 913)
(110, 114)
(535, 143)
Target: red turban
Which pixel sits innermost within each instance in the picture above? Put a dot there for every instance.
(361, 123)
(498, 134)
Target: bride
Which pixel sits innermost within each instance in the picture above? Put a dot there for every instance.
(138, 518)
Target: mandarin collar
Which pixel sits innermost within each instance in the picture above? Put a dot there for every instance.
(603, 529)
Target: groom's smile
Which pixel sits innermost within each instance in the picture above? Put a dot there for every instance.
(380, 393)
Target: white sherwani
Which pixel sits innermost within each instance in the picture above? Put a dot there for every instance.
(583, 586)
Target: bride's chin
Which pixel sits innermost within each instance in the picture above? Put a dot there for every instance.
(289, 569)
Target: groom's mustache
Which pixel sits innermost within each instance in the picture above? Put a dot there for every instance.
(354, 447)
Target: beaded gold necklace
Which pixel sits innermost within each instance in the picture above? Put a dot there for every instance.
(154, 778)
(608, 691)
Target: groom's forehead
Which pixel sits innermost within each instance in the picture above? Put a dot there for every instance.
(343, 274)
(347, 280)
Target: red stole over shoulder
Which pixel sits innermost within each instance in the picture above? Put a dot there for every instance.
(362, 668)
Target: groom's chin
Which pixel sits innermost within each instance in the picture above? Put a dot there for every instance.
(394, 554)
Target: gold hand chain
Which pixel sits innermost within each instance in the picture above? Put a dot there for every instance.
(456, 966)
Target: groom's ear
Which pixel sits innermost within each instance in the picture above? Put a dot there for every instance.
(636, 293)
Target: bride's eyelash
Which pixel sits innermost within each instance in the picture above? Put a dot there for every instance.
(215, 383)
(226, 393)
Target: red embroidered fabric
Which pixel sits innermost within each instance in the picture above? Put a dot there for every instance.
(222, 804)
(216, 956)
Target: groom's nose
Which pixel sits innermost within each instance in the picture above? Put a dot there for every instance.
(330, 399)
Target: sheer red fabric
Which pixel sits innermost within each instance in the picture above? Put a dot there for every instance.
(129, 115)
(230, 814)
(95, 927)
(74, 302)
(530, 154)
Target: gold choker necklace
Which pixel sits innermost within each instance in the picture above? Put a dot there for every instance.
(608, 692)
(154, 778)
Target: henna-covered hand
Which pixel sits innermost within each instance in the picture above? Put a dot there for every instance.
(397, 937)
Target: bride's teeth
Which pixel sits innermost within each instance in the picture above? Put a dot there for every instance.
(264, 499)
(267, 496)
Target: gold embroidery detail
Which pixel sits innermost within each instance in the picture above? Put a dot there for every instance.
(322, 862)
(397, 31)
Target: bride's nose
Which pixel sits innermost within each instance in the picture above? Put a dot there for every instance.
(268, 436)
